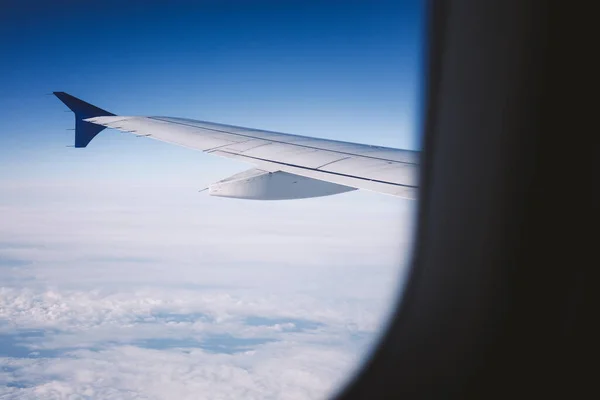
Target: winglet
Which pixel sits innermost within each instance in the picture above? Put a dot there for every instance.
(84, 131)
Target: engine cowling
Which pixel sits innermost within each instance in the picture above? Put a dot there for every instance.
(256, 184)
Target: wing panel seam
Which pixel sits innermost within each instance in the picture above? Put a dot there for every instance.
(282, 142)
(320, 170)
(334, 161)
(225, 145)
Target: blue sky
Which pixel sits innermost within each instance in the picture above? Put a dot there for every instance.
(110, 259)
(348, 70)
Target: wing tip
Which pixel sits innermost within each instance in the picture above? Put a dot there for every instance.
(84, 130)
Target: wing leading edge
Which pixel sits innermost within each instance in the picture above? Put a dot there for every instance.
(344, 166)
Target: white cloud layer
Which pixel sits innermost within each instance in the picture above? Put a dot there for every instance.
(158, 292)
(99, 348)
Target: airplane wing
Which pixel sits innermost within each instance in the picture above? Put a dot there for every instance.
(285, 166)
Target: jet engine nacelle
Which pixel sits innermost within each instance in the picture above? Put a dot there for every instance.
(256, 184)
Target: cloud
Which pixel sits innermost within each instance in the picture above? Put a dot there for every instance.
(277, 371)
(114, 292)
(182, 345)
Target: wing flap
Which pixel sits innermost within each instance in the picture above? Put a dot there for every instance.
(357, 182)
(387, 171)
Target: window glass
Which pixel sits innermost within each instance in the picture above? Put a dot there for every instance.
(119, 279)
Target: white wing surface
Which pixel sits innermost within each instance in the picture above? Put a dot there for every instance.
(286, 166)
